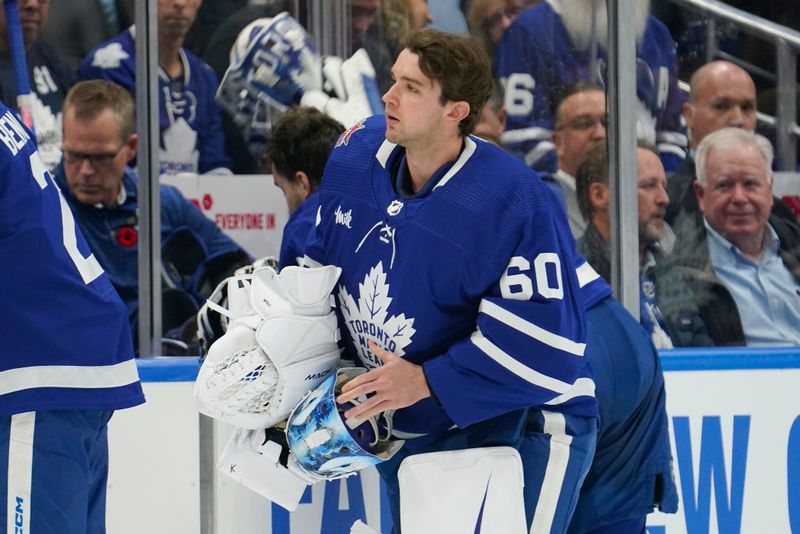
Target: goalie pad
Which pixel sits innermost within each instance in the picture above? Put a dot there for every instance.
(267, 360)
(352, 82)
(471, 490)
(324, 445)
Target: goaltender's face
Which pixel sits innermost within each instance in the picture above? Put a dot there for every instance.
(414, 109)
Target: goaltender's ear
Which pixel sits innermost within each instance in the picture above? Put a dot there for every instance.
(458, 110)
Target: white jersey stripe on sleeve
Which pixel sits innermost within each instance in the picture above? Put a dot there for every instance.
(69, 376)
(584, 387)
(536, 332)
(523, 371)
(586, 274)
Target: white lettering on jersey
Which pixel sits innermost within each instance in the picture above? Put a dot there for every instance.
(12, 134)
(516, 284)
(368, 319)
(345, 218)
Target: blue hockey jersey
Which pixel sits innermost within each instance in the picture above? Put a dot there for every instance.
(536, 60)
(50, 79)
(295, 233)
(190, 120)
(64, 331)
(475, 281)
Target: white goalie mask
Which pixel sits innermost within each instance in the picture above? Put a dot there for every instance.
(281, 344)
(324, 445)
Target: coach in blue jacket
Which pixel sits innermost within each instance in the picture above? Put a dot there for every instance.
(98, 144)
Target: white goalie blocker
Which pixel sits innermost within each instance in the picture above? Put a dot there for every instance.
(280, 344)
(471, 490)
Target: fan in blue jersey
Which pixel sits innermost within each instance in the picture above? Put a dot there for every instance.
(631, 473)
(458, 289)
(99, 141)
(49, 78)
(296, 154)
(548, 48)
(189, 119)
(67, 360)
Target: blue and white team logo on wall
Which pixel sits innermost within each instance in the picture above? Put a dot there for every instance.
(368, 318)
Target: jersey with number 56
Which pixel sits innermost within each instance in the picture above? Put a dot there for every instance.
(537, 60)
(473, 279)
(64, 332)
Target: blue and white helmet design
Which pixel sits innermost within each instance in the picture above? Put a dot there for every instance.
(273, 62)
(323, 444)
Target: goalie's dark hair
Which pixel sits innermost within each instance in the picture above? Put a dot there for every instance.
(460, 65)
(301, 141)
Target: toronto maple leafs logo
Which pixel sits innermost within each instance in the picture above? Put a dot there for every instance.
(110, 56)
(368, 319)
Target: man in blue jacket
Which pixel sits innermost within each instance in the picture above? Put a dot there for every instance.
(98, 144)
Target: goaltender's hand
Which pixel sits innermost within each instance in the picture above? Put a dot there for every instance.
(396, 384)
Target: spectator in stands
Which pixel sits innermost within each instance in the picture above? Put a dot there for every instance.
(492, 120)
(667, 309)
(548, 48)
(296, 155)
(395, 20)
(579, 118)
(189, 119)
(49, 77)
(487, 21)
(99, 141)
(722, 95)
(362, 15)
(743, 263)
(77, 26)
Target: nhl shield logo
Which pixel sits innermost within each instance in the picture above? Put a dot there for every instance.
(394, 208)
(368, 319)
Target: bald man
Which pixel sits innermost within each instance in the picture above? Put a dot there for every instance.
(722, 95)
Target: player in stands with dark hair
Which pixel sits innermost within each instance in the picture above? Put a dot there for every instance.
(67, 360)
(300, 142)
(411, 204)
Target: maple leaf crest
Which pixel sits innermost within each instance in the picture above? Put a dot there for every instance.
(369, 318)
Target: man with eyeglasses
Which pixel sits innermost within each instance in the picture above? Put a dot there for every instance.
(722, 95)
(579, 117)
(99, 142)
(49, 76)
(550, 46)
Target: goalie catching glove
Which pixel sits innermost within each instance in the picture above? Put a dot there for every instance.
(278, 346)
